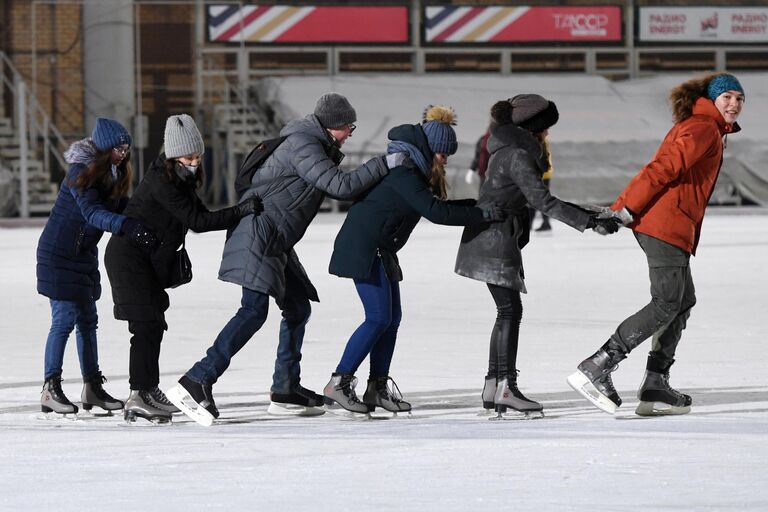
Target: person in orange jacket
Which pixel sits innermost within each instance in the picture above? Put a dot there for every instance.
(664, 206)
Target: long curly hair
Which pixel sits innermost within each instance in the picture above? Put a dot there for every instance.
(684, 96)
(98, 175)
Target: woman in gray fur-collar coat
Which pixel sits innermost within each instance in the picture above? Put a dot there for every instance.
(492, 252)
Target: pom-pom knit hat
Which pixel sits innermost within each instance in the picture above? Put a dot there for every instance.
(437, 127)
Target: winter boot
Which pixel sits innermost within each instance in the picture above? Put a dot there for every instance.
(141, 404)
(341, 390)
(161, 401)
(299, 402)
(593, 378)
(545, 225)
(195, 400)
(93, 394)
(53, 399)
(380, 393)
(507, 395)
(657, 397)
(489, 391)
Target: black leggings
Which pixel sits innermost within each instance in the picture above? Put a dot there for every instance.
(502, 360)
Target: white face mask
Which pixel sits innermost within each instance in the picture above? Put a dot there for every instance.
(191, 168)
(114, 171)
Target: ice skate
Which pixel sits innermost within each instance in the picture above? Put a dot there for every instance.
(53, 401)
(161, 401)
(508, 396)
(657, 397)
(340, 396)
(195, 400)
(383, 392)
(489, 391)
(93, 394)
(593, 378)
(301, 402)
(140, 404)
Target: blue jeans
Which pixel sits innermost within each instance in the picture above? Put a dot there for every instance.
(66, 316)
(378, 332)
(246, 322)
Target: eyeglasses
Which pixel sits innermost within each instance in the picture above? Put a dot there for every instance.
(352, 128)
(121, 151)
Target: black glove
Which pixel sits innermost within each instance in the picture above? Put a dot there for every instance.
(251, 206)
(464, 202)
(603, 226)
(494, 214)
(138, 234)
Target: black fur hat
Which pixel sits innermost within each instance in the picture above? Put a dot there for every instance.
(528, 111)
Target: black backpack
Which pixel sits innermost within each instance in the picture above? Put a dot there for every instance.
(253, 161)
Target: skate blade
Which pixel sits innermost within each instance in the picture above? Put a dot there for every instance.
(179, 397)
(582, 385)
(134, 420)
(279, 409)
(98, 412)
(57, 416)
(660, 409)
(517, 415)
(338, 410)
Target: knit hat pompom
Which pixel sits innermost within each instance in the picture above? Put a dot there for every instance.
(440, 113)
(437, 127)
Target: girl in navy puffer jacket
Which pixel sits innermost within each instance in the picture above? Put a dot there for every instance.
(90, 200)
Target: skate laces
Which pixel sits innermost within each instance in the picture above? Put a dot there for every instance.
(390, 390)
(158, 396)
(348, 386)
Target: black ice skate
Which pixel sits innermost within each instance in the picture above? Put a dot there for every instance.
(195, 400)
(341, 390)
(53, 399)
(657, 397)
(140, 404)
(383, 392)
(593, 378)
(93, 394)
(509, 396)
(299, 402)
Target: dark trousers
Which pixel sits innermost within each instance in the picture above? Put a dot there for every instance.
(502, 360)
(672, 297)
(252, 314)
(378, 332)
(143, 364)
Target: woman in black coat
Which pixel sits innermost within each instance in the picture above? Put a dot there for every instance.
(167, 202)
(90, 201)
(375, 229)
(492, 253)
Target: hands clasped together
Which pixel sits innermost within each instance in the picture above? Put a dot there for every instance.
(606, 221)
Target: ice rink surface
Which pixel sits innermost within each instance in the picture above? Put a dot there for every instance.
(445, 457)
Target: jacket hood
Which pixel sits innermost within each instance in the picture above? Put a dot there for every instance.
(510, 135)
(706, 107)
(412, 134)
(82, 152)
(310, 126)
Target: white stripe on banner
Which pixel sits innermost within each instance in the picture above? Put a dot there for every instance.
(485, 15)
(287, 24)
(503, 23)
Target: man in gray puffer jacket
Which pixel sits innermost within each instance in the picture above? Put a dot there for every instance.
(259, 254)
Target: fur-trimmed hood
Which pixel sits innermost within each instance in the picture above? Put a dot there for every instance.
(82, 152)
(683, 98)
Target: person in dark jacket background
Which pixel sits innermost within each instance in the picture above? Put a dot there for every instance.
(90, 201)
(492, 253)
(375, 229)
(167, 202)
(259, 256)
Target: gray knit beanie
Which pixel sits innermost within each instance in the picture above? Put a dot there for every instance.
(182, 137)
(334, 111)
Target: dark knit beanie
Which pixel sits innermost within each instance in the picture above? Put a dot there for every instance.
(722, 83)
(334, 111)
(533, 112)
(108, 133)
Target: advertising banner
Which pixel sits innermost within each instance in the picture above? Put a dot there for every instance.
(703, 24)
(504, 24)
(307, 24)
